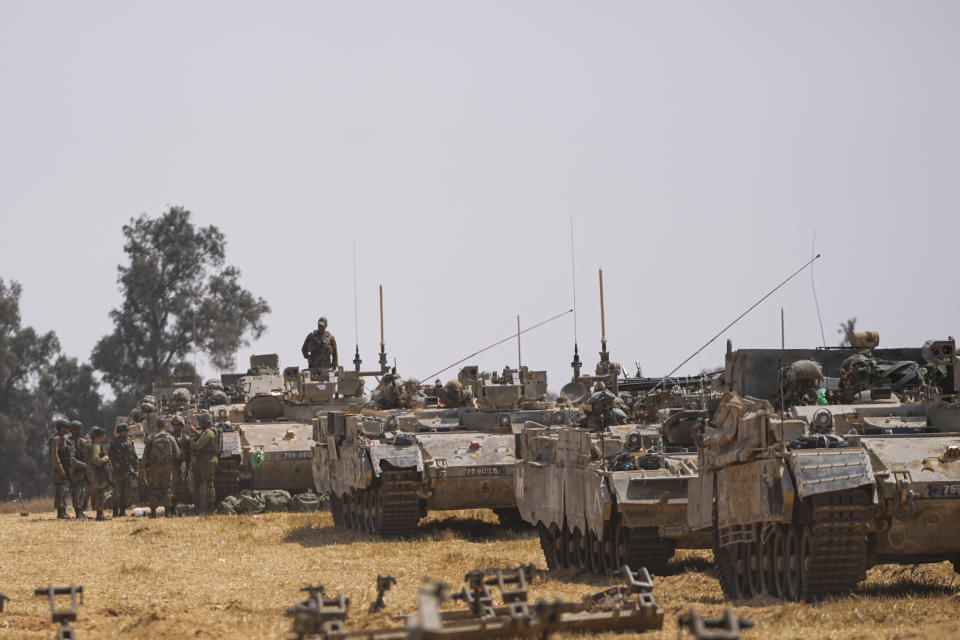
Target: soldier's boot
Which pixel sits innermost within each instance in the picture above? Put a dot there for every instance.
(116, 512)
(81, 515)
(153, 512)
(62, 514)
(100, 517)
(169, 512)
(202, 508)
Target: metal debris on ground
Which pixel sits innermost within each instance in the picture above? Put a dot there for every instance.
(384, 582)
(630, 607)
(726, 628)
(65, 615)
(3, 600)
(319, 616)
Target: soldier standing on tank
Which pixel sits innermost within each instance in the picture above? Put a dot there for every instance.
(182, 466)
(100, 476)
(59, 449)
(320, 348)
(124, 458)
(160, 454)
(204, 455)
(79, 470)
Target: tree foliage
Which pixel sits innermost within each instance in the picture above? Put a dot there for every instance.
(37, 384)
(177, 295)
(846, 332)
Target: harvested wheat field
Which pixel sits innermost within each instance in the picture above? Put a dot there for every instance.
(233, 576)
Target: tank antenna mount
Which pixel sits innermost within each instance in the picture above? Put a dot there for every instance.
(576, 364)
(356, 321)
(383, 351)
(604, 354)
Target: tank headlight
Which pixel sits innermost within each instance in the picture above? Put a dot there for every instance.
(823, 420)
(504, 420)
(558, 417)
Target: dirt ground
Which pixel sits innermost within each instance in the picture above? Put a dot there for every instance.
(234, 576)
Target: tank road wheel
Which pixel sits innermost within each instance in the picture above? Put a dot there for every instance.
(376, 510)
(806, 559)
(598, 553)
(336, 510)
(793, 577)
(548, 546)
(725, 562)
(645, 548)
(567, 560)
(580, 549)
(778, 583)
(767, 574)
(558, 542)
(758, 566)
(616, 544)
(354, 511)
(365, 519)
(741, 568)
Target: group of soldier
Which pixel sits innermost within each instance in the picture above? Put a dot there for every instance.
(87, 469)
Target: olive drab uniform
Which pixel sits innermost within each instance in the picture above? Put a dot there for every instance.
(160, 454)
(181, 469)
(79, 474)
(99, 477)
(320, 350)
(204, 456)
(123, 456)
(60, 467)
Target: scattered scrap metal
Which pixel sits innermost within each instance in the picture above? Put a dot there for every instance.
(726, 628)
(629, 607)
(3, 600)
(65, 615)
(384, 582)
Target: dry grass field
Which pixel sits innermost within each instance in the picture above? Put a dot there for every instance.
(221, 576)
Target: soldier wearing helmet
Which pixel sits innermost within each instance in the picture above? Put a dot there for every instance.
(100, 478)
(204, 456)
(79, 470)
(123, 456)
(182, 466)
(60, 465)
(320, 348)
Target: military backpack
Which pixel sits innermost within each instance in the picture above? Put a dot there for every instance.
(161, 448)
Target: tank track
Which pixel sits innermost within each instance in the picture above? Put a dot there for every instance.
(838, 529)
(644, 548)
(398, 503)
(390, 508)
(227, 479)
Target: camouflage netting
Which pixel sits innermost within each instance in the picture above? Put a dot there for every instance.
(253, 502)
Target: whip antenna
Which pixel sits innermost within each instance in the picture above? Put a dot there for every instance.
(740, 317)
(573, 285)
(813, 284)
(356, 322)
(512, 336)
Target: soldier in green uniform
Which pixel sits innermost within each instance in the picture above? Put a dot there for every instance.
(204, 456)
(79, 469)
(320, 348)
(123, 455)
(60, 466)
(182, 466)
(100, 471)
(160, 454)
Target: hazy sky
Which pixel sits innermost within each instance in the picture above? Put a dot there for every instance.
(698, 146)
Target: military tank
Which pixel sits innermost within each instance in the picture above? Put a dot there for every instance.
(610, 491)
(274, 418)
(843, 459)
(429, 448)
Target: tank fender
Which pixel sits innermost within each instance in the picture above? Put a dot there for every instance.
(386, 457)
(828, 470)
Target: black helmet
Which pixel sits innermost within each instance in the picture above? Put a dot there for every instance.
(176, 421)
(96, 432)
(62, 423)
(204, 419)
(123, 426)
(76, 425)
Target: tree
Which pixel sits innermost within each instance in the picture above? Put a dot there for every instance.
(37, 384)
(177, 295)
(846, 330)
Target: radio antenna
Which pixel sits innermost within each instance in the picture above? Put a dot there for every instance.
(740, 317)
(573, 285)
(512, 336)
(356, 321)
(813, 250)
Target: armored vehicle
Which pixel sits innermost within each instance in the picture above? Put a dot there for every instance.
(274, 423)
(421, 449)
(859, 465)
(611, 490)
